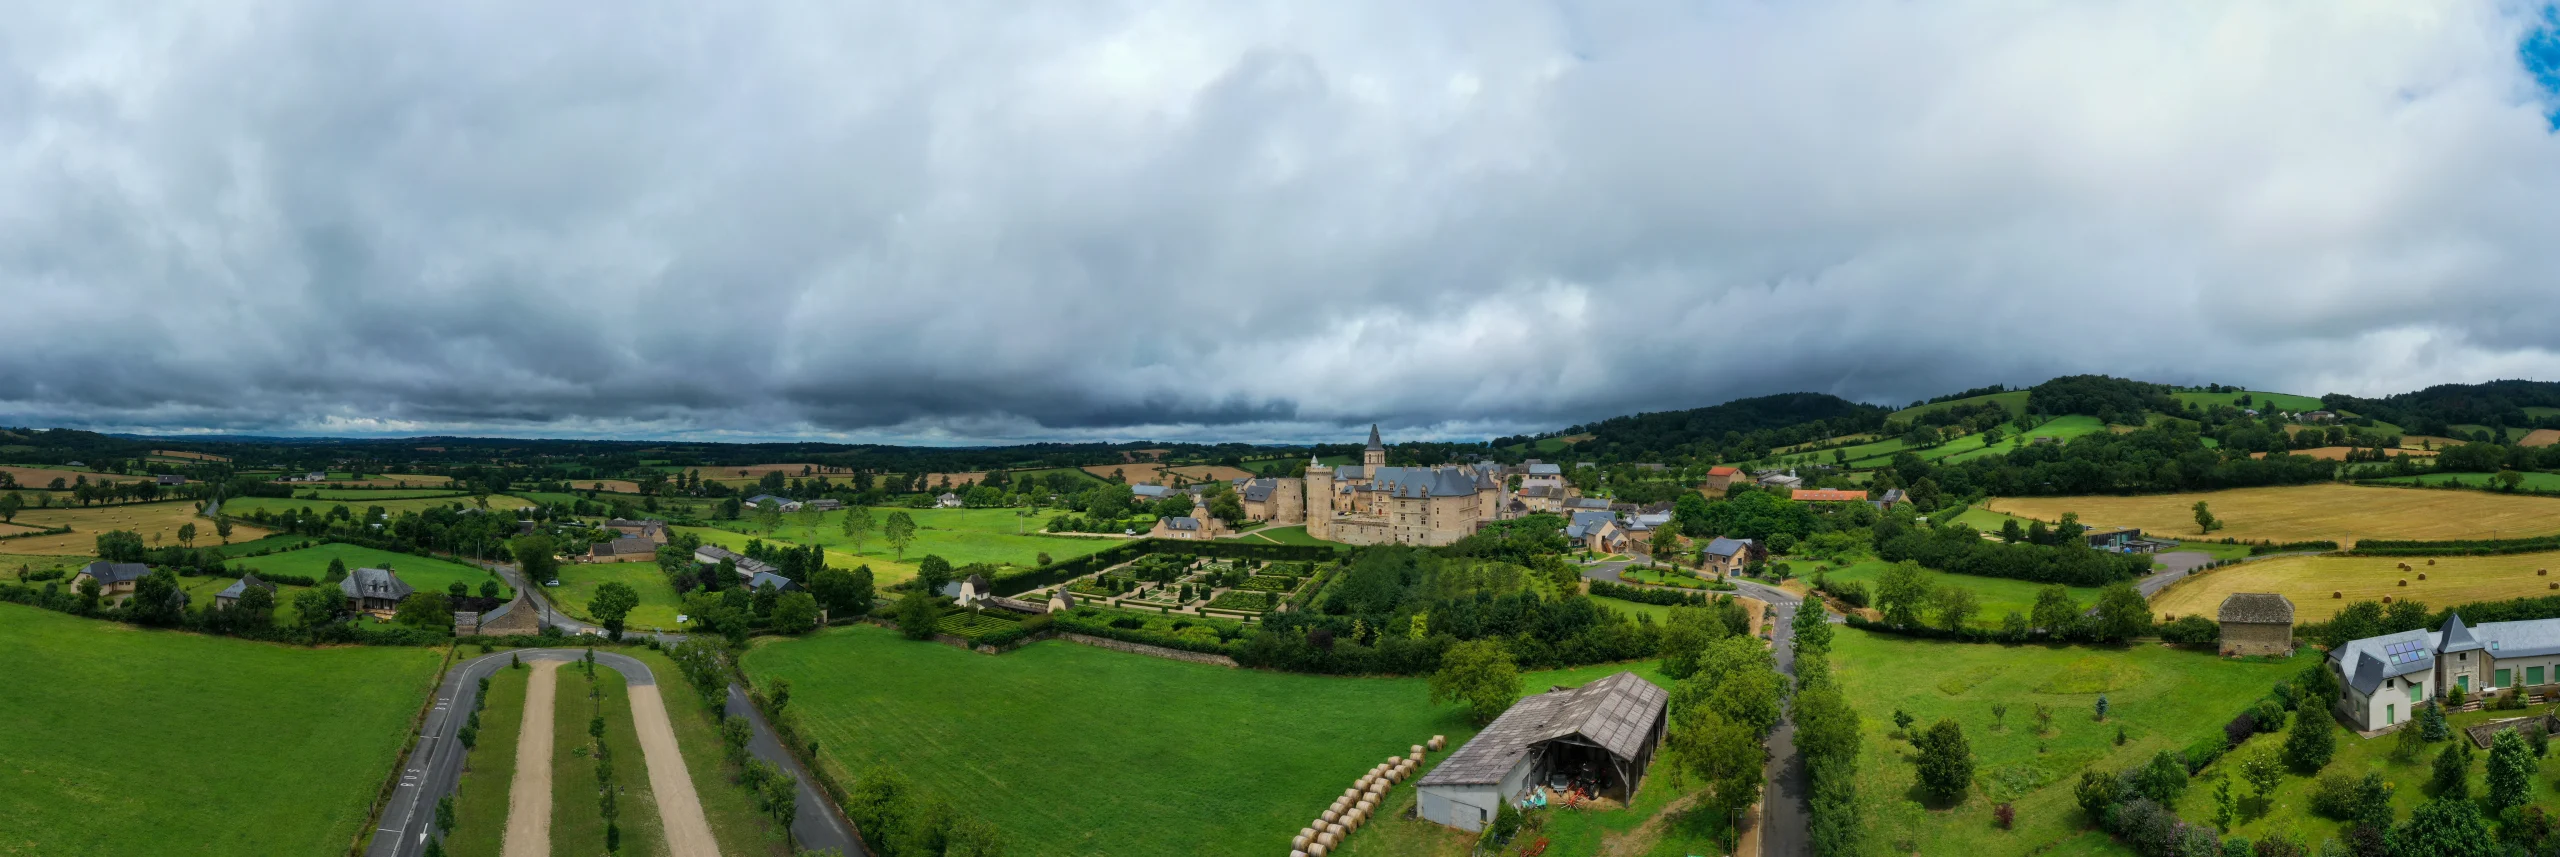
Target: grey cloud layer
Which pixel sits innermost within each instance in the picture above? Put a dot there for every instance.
(954, 221)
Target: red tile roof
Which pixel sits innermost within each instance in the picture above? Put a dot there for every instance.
(1826, 495)
(1722, 470)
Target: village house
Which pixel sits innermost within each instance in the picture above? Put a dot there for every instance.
(748, 567)
(1730, 556)
(625, 549)
(1540, 474)
(1601, 735)
(2384, 679)
(2256, 623)
(764, 501)
(1149, 492)
(1279, 501)
(767, 579)
(1193, 527)
(115, 579)
(1597, 532)
(1782, 481)
(1723, 477)
(653, 530)
(1371, 503)
(168, 479)
(824, 504)
(374, 590)
(230, 595)
(948, 500)
(1890, 498)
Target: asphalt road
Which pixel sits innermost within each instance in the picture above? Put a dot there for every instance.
(2174, 566)
(815, 823)
(1784, 826)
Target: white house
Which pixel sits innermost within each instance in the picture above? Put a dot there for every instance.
(2384, 679)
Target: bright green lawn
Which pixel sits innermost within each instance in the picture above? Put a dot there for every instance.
(424, 573)
(368, 496)
(2014, 400)
(1988, 521)
(120, 739)
(1168, 758)
(2217, 549)
(884, 570)
(1292, 535)
(2059, 428)
(962, 536)
(480, 801)
(2290, 807)
(2162, 698)
(658, 602)
(2533, 480)
(577, 820)
(1997, 595)
(2260, 400)
(240, 507)
(278, 542)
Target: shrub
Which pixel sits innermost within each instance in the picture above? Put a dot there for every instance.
(2191, 630)
(2004, 815)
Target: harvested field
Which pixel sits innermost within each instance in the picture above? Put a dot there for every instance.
(392, 480)
(2541, 437)
(241, 506)
(2308, 580)
(2343, 513)
(1158, 473)
(2339, 453)
(149, 519)
(191, 456)
(610, 486)
(751, 472)
(40, 477)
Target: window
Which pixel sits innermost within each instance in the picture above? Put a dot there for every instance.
(2417, 692)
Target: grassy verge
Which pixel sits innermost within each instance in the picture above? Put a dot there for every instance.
(480, 799)
(577, 819)
(735, 823)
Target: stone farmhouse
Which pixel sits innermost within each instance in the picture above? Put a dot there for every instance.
(2256, 623)
(625, 549)
(2384, 679)
(230, 595)
(374, 590)
(748, 567)
(1371, 503)
(1279, 501)
(1731, 556)
(653, 530)
(1722, 477)
(1196, 526)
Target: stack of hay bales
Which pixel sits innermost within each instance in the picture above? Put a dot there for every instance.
(1360, 803)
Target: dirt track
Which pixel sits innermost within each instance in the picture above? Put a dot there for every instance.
(679, 808)
(529, 797)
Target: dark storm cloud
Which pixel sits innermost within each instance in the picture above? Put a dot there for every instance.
(950, 222)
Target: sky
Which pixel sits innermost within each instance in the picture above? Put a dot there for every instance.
(958, 222)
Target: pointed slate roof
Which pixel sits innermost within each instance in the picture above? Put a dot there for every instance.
(2263, 608)
(374, 583)
(241, 587)
(2457, 638)
(1373, 437)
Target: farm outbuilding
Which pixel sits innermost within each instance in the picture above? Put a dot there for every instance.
(1600, 737)
(2256, 623)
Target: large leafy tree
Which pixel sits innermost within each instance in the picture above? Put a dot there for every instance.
(2444, 827)
(1945, 762)
(844, 593)
(537, 557)
(2309, 744)
(2511, 768)
(899, 530)
(858, 525)
(612, 604)
(1479, 673)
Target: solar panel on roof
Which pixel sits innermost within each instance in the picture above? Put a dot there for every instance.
(2405, 652)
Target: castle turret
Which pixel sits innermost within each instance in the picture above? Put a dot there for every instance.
(1319, 499)
(1376, 455)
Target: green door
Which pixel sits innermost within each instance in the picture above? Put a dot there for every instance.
(2463, 681)
(2390, 714)
(2533, 675)
(2504, 677)
(2417, 692)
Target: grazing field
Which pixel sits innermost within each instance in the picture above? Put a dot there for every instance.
(393, 481)
(2339, 453)
(883, 570)
(2289, 807)
(239, 506)
(1160, 474)
(121, 739)
(352, 496)
(1997, 595)
(1083, 479)
(962, 536)
(2308, 580)
(2162, 698)
(1971, 447)
(191, 456)
(2341, 513)
(160, 520)
(2533, 481)
(480, 799)
(738, 473)
(609, 486)
(426, 573)
(41, 477)
(658, 602)
(1167, 758)
(2259, 399)
(2014, 400)
(1988, 521)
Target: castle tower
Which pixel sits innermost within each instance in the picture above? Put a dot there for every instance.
(1376, 456)
(1319, 499)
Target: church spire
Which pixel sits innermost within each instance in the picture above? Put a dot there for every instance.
(1373, 438)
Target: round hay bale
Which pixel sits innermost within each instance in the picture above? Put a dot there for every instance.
(1417, 748)
(2555, 586)
(1298, 844)
(1336, 829)
(2404, 566)
(1298, 850)
(1341, 803)
(1390, 760)
(1439, 741)
(1318, 849)
(2431, 562)
(2422, 575)
(2404, 581)
(1326, 839)
(2336, 594)
(1328, 816)
(1363, 806)
(2386, 599)
(2542, 572)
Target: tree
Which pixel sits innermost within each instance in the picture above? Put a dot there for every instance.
(2163, 779)
(1955, 605)
(2122, 612)
(537, 557)
(2054, 611)
(2102, 708)
(858, 525)
(222, 527)
(841, 592)
(2443, 828)
(1686, 633)
(1725, 756)
(899, 531)
(2431, 723)
(1945, 762)
(1479, 673)
(488, 589)
(932, 572)
(444, 813)
(2453, 771)
(795, 613)
(424, 610)
(186, 534)
(9, 506)
(318, 606)
(2205, 522)
(1900, 593)
(2509, 479)
(2263, 771)
(917, 614)
(2309, 744)
(613, 603)
(2225, 807)
(2511, 770)
(255, 610)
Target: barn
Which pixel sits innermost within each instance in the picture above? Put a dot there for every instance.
(1599, 736)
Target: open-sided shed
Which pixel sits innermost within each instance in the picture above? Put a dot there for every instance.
(1603, 732)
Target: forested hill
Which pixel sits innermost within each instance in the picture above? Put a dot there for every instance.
(1741, 428)
(2434, 410)
(2115, 400)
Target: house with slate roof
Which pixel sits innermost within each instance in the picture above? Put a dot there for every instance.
(2256, 623)
(653, 530)
(1196, 526)
(115, 579)
(763, 501)
(374, 590)
(1604, 732)
(625, 549)
(1371, 503)
(1279, 501)
(763, 579)
(1596, 531)
(748, 567)
(230, 595)
(1731, 556)
(2384, 679)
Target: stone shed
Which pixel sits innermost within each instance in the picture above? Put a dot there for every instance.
(2256, 623)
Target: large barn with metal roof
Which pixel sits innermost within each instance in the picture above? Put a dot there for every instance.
(1600, 736)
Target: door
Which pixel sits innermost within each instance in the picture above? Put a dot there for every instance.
(2463, 681)
(2417, 692)
(2390, 714)
(2504, 677)
(2533, 675)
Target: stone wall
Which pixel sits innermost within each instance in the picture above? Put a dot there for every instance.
(1152, 651)
(2256, 638)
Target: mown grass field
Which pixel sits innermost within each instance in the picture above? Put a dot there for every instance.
(149, 519)
(2533, 480)
(580, 581)
(2258, 399)
(577, 819)
(2341, 513)
(241, 506)
(1998, 596)
(1291, 535)
(2308, 580)
(352, 496)
(425, 573)
(42, 477)
(1169, 758)
(2162, 698)
(121, 741)
(962, 536)
(480, 798)
(2288, 809)
(2014, 400)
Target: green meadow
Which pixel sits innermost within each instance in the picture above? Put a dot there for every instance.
(658, 603)
(425, 573)
(1997, 595)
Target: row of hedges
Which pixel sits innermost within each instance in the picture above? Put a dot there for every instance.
(54, 531)
(1136, 629)
(1961, 551)
(1016, 583)
(2264, 548)
(1241, 599)
(2454, 547)
(1970, 634)
(1651, 595)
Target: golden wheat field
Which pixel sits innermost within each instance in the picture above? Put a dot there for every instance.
(1159, 474)
(2310, 580)
(149, 519)
(39, 477)
(2341, 513)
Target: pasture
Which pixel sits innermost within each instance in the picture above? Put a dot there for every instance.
(426, 573)
(2308, 580)
(883, 570)
(157, 522)
(1168, 758)
(2162, 698)
(963, 536)
(190, 456)
(2289, 807)
(239, 506)
(2258, 399)
(2342, 513)
(2339, 453)
(352, 496)
(393, 481)
(658, 603)
(608, 486)
(2014, 400)
(1998, 596)
(1160, 474)
(241, 748)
